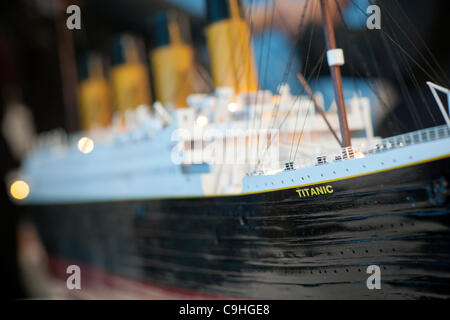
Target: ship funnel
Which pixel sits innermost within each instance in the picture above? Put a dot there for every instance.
(94, 95)
(230, 52)
(171, 61)
(129, 73)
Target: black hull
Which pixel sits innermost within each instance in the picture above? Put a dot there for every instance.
(274, 244)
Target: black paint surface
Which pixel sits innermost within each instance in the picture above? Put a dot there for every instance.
(274, 244)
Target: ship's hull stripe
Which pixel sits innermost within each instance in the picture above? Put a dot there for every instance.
(258, 192)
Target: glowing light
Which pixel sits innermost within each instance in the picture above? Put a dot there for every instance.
(19, 190)
(359, 155)
(233, 107)
(85, 145)
(202, 121)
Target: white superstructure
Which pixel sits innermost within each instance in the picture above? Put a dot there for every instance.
(169, 155)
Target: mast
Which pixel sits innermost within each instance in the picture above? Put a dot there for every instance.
(335, 58)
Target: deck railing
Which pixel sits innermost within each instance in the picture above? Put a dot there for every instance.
(400, 141)
(407, 139)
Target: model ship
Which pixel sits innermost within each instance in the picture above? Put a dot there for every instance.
(154, 206)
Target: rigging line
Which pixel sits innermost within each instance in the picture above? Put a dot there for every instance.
(369, 74)
(248, 70)
(198, 68)
(276, 107)
(297, 39)
(388, 92)
(261, 49)
(367, 71)
(251, 101)
(437, 77)
(415, 81)
(349, 43)
(401, 81)
(307, 113)
(290, 60)
(411, 105)
(230, 59)
(318, 65)
(304, 88)
(191, 75)
(420, 92)
(371, 86)
(250, 33)
(433, 58)
(245, 69)
(266, 5)
(269, 44)
(266, 67)
(398, 45)
(318, 108)
(301, 135)
(295, 130)
(444, 74)
(309, 50)
(383, 103)
(317, 69)
(417, 88)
